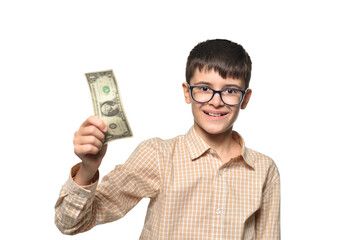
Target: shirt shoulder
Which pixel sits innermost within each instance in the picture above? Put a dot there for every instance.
(259, 159)
(265, 165)
(163, 146)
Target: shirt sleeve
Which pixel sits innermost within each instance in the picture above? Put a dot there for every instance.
(268, 216)
(78, 209)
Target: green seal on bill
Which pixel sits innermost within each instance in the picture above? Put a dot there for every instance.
(106, 89)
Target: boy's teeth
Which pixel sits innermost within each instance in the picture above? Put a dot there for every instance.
(214, 115)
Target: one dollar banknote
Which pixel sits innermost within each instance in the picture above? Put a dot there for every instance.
(107, 104)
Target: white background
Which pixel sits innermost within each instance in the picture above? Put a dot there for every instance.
(303, 112)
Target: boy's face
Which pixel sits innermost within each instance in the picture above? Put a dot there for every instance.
(206, 115)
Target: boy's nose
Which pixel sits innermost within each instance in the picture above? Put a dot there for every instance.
(216, 100)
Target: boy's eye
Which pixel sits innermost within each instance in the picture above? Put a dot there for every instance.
(204, 89)
(230, 91)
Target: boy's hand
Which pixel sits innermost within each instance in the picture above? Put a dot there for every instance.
(88, 146)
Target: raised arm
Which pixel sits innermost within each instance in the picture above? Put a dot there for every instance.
(88, 146)
(80, 207)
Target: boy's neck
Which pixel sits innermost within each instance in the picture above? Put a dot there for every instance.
(223, 143)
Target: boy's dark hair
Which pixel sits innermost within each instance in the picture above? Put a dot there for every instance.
(227, 58)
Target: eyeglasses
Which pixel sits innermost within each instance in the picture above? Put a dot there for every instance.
(230, 96)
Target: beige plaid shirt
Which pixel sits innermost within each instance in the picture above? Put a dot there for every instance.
(193, 195)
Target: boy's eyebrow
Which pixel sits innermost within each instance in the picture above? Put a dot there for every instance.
(202, 83)
(232, 86)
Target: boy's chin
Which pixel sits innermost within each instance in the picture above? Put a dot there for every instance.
(215, 130)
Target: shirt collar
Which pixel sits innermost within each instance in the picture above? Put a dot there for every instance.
(197, 146)
(244, 153)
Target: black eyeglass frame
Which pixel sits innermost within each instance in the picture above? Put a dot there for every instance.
(220, 93)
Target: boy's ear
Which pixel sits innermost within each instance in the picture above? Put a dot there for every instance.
(246, 99)
(186, 93)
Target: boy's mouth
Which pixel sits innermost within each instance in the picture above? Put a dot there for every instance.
(215, 114)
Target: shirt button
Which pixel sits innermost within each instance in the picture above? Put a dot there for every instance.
(218, 211)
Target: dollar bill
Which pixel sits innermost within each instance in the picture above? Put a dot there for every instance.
(107, 104)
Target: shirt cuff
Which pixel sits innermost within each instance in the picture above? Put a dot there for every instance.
(82, 191)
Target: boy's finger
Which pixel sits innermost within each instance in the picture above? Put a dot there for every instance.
(82, 150)
(95, 121)
(89, 140)
(91, 131)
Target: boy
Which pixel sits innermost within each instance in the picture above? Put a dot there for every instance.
(202, 185)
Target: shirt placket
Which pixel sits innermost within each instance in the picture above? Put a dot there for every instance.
(219, 207)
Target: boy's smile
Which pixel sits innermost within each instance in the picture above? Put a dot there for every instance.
(214, 117)
(215, 114)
